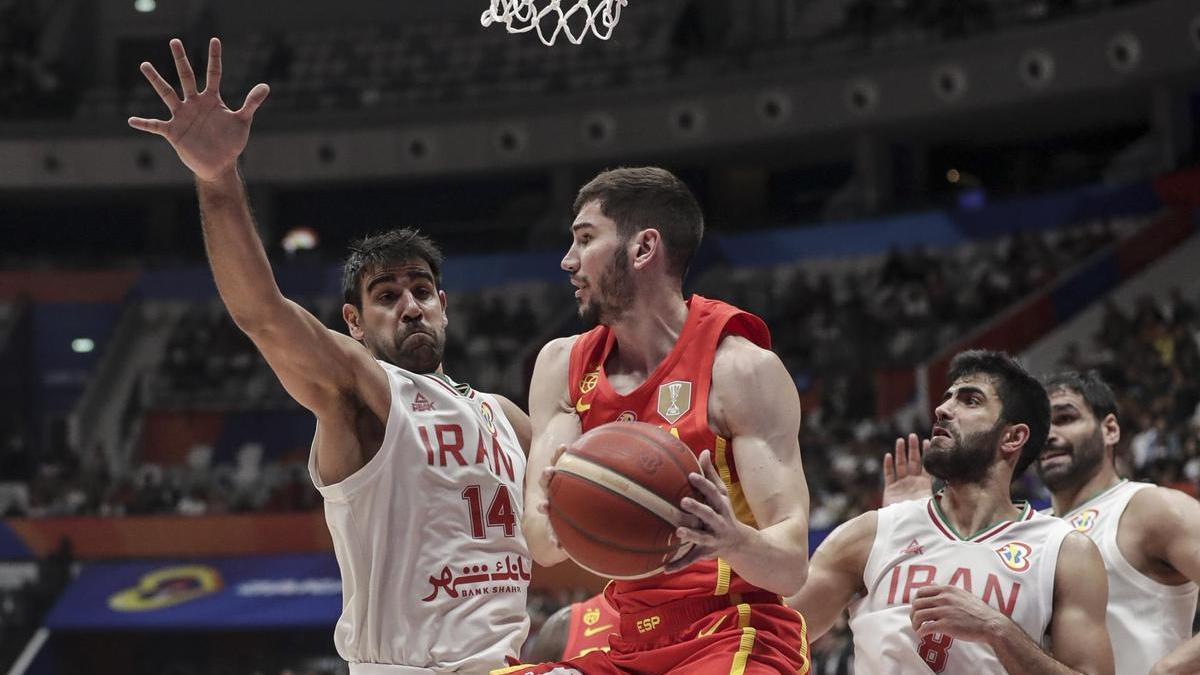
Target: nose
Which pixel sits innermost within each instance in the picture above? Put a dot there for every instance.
(570, 261)
(410, 309)
(942, 412)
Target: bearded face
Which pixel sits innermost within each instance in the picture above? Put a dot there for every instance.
(1074, 451)
(610, 295)
(958, 457)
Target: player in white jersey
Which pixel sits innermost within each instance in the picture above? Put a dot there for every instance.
(422, 477)
(925, 596)
(1148, 536)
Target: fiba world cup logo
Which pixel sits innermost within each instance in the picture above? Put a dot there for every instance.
(674, 400)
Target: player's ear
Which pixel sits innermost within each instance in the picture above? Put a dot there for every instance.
(445, 316)
(648, 242)
(1014, 439)
(353, 321)
(1110, 429)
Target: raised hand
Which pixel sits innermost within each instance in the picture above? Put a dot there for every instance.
(904, 477)
(205, 133)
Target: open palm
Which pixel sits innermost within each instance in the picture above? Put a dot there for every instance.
(206, 134)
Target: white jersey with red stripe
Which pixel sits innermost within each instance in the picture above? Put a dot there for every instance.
(435, 569)
(1138, 641)
(1010, 565)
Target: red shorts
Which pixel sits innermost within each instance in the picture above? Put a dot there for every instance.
(764, 638)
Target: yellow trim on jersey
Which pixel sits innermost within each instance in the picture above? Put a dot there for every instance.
(804, 652)
(741, 507)
(723, 572)
(743, 615)
(512, 669)
(743, 652)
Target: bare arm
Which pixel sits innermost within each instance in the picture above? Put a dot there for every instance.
(835, 574)
(754, 403)
(209, 137)
(1172, 535)
(518, 419)
(555, 425)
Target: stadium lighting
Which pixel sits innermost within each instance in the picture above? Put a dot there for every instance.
(82, 345)
(145, 6)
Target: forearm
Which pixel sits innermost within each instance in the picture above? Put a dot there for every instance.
(1018, 653)
(774, 558)
(538, 536)
(1184, 659)
(235, 252)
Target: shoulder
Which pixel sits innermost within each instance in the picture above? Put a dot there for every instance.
(1077, 548)
(1162, 511)
(750, 380)
(518, 419)
(853, 539)
(557, 351)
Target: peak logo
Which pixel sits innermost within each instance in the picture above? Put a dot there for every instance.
(1015, 555)
(167, 587)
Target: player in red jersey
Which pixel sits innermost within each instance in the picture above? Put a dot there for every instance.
(577, 629)
(703, 370)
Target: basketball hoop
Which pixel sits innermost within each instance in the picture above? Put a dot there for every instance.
(522, 16)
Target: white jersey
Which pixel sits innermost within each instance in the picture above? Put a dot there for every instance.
(1009, 565)
(1146, 619)
(435, 569)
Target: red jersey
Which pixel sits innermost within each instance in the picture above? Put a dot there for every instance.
(591, 622)
(675, 397)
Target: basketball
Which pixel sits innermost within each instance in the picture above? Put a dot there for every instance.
(614, 499)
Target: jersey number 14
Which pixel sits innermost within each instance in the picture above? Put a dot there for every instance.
(499, 513)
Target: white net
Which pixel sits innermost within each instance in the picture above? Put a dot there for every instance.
(551, 19)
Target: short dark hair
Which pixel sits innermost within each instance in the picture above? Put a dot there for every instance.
(644, 197)
(386, 248)
(1090, 386)
(1023, 400)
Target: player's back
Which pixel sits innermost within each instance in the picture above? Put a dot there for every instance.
(1010, 565)
(427, 534)
(1146, 619)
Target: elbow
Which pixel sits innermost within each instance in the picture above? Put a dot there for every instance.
(795, 581)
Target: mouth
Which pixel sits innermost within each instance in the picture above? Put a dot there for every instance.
(1050, 455)
(940, 432)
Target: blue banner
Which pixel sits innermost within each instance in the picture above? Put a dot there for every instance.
(215, 594)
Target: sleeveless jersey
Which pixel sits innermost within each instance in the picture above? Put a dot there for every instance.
(434, 566)
(1009, 565)
(674, 397)
(591, 622)
(1146, 619)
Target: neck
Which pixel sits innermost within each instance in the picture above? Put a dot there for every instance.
(649, 330)
(1068, 499)
(971, 507)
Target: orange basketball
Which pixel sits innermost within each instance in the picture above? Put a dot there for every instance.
(614, 499)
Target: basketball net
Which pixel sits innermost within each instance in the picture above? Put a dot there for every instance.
(550, 19)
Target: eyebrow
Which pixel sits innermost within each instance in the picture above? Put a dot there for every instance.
(1063, 407)
(391, 278)
(580, 226)
(970, 389)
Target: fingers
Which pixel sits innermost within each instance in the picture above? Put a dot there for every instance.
(212, 79)
(187, 79)
(710, 471)
(158, 127)
(697, 537)
(691, 555)
(914, 453)
(254, 99)
(704, 512)
(900, 458)
(164, 90)
(544, 479)
(715, 497)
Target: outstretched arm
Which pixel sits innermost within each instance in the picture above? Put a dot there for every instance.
(835, 574)
(555, 425)
(209, 137)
